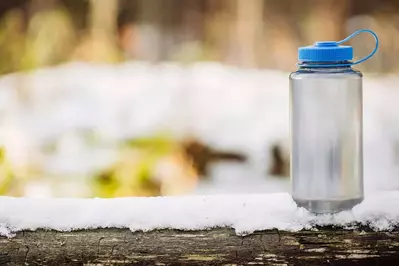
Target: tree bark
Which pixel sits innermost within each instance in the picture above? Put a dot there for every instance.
(326, 246)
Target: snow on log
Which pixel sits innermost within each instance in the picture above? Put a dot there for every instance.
(200, 230)
(245, 213)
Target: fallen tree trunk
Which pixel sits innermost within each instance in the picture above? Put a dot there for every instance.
(221, 246)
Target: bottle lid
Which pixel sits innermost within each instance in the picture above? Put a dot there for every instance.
(325, 52)
(333, 52)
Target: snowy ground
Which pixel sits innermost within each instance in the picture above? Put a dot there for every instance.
(228, 107)
(244, 213)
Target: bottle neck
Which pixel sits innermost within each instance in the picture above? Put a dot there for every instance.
(325, 66)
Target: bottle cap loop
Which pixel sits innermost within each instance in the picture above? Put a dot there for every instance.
(331, 51)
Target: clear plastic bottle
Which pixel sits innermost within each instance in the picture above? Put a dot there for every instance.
(326, 129)
(326, 138)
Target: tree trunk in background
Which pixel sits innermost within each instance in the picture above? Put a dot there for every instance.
(22, 83)
(218, 30)
(40, 5)
(249, 33)
(326, 20)
(191, 31)
(100, 45)
(102, 17)
(386, 58)
(169, 15)
(150, 30)
(281, 34)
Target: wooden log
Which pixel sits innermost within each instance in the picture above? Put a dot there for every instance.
(221, 246)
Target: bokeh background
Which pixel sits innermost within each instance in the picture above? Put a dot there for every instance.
(109, 98)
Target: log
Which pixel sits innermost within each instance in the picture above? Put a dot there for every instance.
(219, 246)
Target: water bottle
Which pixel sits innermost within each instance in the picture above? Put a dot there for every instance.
(326, 127)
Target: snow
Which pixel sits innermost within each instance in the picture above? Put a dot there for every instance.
(245, 110)
(245, 213)
(227, 107)
(240, 179)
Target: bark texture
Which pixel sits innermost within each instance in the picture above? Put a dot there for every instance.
(220, 246)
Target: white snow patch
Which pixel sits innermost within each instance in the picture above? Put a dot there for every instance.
(66, 103)
(244, 213)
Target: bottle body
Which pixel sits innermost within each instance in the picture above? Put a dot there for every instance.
(326, 138)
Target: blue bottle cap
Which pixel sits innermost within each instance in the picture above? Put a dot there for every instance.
(325, 52)
(333, 52)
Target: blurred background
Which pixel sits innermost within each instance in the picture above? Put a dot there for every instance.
(110, 98)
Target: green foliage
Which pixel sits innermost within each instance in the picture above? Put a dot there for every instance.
(48, 39)
(156, 145)
(133, 174)
(6, 176)
(12, 43)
